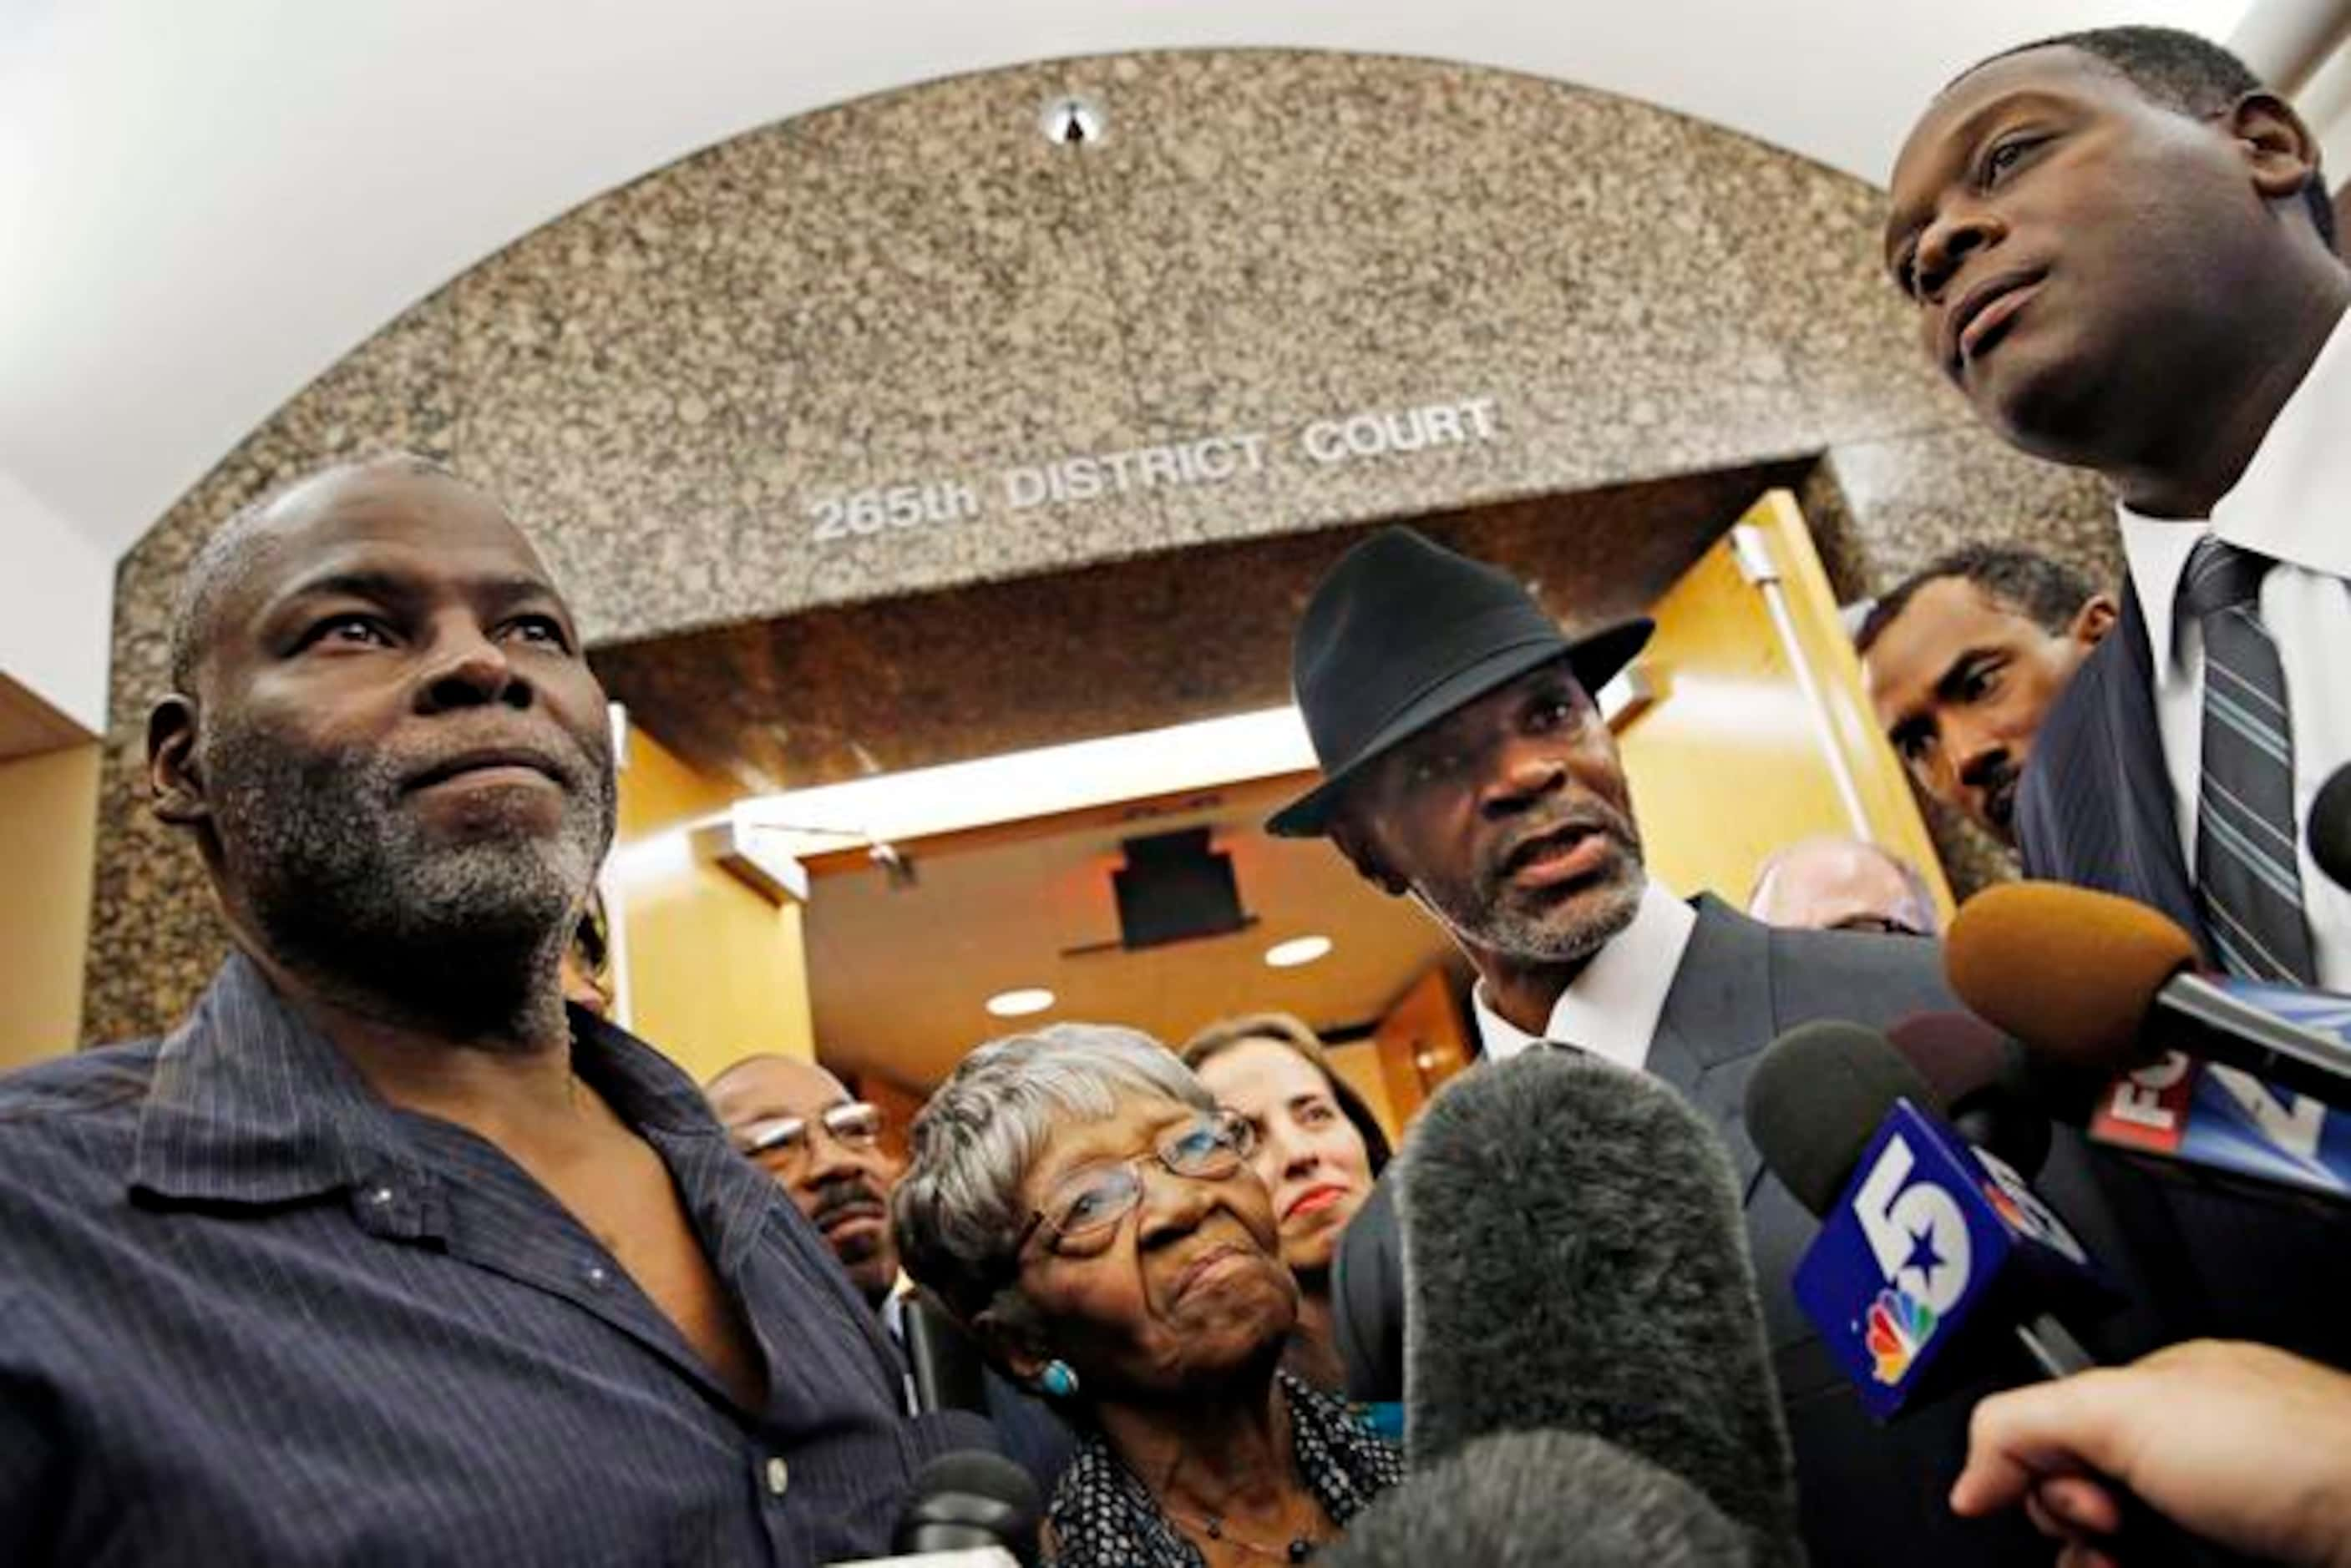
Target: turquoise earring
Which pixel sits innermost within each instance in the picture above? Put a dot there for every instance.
(1058, 1380)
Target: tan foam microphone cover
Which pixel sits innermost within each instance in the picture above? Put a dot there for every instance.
(2070, 973)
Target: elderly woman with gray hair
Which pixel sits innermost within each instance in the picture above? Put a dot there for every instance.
(1080, 1201)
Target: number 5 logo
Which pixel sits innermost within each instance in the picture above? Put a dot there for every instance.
(1917, 1232)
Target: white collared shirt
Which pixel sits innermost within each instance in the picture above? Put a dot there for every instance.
(2292, 504)
(894, 1323)
(1610, 1009)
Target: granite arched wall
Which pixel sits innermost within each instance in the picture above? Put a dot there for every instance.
(919, 288)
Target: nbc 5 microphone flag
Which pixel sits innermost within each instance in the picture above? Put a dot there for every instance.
(2222, 1118)
(1929, 1231)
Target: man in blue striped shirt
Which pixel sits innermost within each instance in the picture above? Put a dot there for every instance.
(382, 1256)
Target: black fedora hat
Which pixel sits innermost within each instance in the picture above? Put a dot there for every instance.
(1402, 631)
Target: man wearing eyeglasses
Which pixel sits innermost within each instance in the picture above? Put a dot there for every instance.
(800, 1125)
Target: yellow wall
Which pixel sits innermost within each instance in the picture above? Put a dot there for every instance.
(49, 833)
(1730, 763)
(717, 971)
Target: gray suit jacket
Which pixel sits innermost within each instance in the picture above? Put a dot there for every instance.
(1870, 1493)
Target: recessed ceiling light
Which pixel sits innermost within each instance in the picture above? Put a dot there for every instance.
(1021, 1004)
(1297, 950)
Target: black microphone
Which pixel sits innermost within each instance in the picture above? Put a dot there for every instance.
(1927, 1245)
(2329, 829)
(1822, 1098)
(1982, 1081)
(1574, 1261)
(969, 1501)
(944, 1362)
(1541, 1499)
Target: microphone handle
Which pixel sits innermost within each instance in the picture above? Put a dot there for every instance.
(2198, 1016)
(2144, 1536)
(2053, 1346)
(939, 1536)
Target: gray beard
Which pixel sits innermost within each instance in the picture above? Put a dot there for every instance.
(346, 889)
(1528, 937)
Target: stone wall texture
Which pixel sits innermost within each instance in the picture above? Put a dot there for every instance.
(921, 288)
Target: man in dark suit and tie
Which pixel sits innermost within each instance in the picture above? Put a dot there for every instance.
(2122, 252)
(1467, 767)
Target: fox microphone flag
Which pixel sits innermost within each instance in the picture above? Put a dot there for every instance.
(2233, 1074)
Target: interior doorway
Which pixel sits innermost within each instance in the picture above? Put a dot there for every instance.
(788, 755)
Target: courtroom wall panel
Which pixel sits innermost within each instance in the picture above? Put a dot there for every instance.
(908, 344)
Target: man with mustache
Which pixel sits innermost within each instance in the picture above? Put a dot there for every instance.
(800, 1124)
(2121, 251)
(1964, 660)
(1465, 767)
(384, 1255)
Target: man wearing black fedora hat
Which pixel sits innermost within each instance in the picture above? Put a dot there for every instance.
(1465, 766)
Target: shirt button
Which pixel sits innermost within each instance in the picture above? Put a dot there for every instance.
(779, 1476)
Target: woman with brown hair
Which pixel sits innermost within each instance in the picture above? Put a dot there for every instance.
(1318, 1150)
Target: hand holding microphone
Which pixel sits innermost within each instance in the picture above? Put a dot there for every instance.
(2246, 1446)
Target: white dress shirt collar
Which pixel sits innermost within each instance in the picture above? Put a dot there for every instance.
(1611, 1008)
(2288, 505)
(2275, 508)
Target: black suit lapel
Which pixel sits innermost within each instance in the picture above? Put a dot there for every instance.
(1718, 1012)
(2156, 872)
(2095, 808)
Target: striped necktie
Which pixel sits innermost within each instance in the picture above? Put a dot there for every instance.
(2247, 872)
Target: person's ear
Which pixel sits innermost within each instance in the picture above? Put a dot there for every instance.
(1348, 835)
(2280, 149)
(1011, 1338)
(2093, 620)
(175, 789)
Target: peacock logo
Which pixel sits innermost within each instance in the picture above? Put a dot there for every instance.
(2006, 1206)
(1899, 1323)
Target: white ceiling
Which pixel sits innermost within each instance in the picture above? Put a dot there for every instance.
(203, 205)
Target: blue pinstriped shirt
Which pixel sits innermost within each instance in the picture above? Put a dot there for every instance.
(251, 1314)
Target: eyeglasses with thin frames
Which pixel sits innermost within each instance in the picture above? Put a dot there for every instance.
(1088, 1204)
(1879, 925)
(788, 1141)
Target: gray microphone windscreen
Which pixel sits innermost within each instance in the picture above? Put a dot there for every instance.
(1541, 1499)
(1574, 1260)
